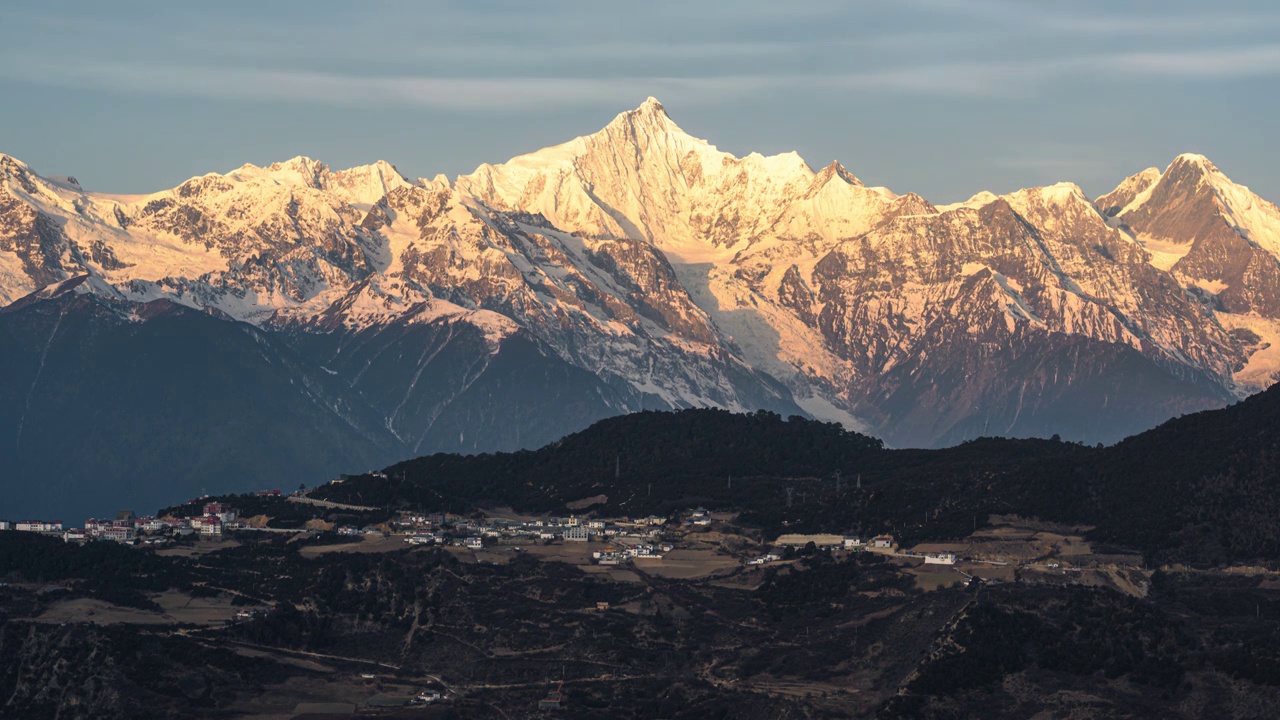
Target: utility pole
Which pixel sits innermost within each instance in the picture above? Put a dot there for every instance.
(791, 493)
(617, 466)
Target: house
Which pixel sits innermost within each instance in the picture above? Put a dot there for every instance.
(118, 532)
(207, 525)
(224, 512)
(553, 699)
(74, 535)
(6, 525)
(151, 524)
(576, 534)
(882, 542)
(943, 558)
(268, 493)
(602, 605)
(853, 543)
(425, 697)
(473, 543)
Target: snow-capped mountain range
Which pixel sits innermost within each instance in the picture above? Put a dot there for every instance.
(639, 267)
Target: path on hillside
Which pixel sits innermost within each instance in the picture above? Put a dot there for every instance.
(329, 504)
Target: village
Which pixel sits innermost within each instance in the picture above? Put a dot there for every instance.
(688, 544)
(132, 529)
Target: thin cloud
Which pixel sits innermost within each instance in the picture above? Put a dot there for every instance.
(1100, 21)
(975, 79)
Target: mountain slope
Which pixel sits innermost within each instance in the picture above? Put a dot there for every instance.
(106, 403)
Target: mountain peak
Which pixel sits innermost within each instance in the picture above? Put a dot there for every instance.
(834, 170)
(651, 105)
(1192, 164)
(650, 115)
(1127, 191)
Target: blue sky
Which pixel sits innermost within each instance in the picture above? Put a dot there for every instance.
(941, 97)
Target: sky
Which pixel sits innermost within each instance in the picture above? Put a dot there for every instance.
(940, 97)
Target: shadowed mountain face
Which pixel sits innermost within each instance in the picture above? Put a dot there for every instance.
(641, 268)
(108, 404)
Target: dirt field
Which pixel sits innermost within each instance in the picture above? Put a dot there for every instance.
(934, 577)
(616, 573)
(338, 687)
(201, 611)
(687, 563)
(177, 607)
(365, 544)
(574, 553)
(100, 613)
(202, 547)
(988, 572)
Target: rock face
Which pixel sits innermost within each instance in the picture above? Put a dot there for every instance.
(641, 268)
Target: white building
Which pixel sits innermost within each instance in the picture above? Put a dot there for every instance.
(38, 526)
(151, 524)
(944, 558)
(576, 534)
(853, 543)
(224, 512)
(208, 525)
(473, 543)
(118, 533)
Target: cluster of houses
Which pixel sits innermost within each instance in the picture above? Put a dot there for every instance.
(128, 527)
(628, 549)
(884, 544)
(475, 533)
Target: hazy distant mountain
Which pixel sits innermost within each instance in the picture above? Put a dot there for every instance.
(641, 268)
